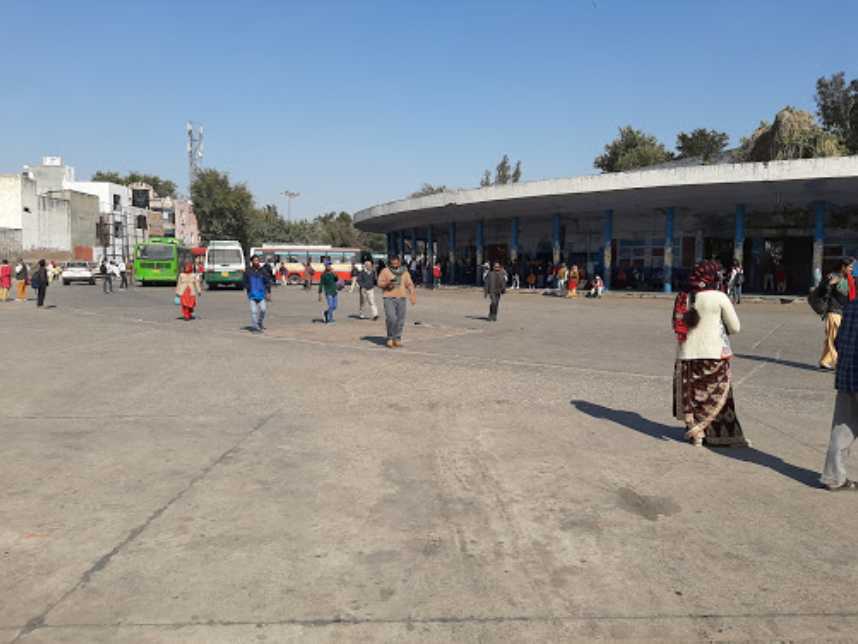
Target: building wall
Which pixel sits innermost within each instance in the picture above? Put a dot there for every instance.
(11, 205)
(10, 243)
(186, 223)
(84, 209)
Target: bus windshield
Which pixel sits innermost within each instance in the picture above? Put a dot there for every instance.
(224, 256)
(156, 251)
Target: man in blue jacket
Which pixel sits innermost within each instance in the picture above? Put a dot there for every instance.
(257, 283)
(844, 425)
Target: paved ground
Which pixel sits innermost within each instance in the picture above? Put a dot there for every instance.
(518, 481)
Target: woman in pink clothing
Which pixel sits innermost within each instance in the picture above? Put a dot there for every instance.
(5, 280)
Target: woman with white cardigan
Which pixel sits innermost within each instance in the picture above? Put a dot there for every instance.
(703, 317)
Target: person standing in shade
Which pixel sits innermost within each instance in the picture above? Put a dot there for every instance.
(734, 282)
(5, 280)
(22, 279)
(835, 291)
(396, 284)
(39, 281)
(844, 424)
(494, 287)
(367, 281)
(257, 283)
(329, 287)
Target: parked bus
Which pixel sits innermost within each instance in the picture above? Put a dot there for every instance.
(224, 265)
(159, 260)
(343, 260)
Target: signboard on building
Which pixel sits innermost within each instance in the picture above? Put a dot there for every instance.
(140, 198)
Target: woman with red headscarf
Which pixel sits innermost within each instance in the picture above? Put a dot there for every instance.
(187, 290)
(703, 317)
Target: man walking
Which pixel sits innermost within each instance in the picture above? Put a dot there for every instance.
(40, 282)
(309, 271)
(396, 284)
(367, 280)
(107, 275)
(494, 287)
(123, 275)
(835, 291)
(257, 283)
(329, 287)
(844, 424)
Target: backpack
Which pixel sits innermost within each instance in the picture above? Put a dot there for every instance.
(818, 300)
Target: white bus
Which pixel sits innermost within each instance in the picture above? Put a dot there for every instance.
(294, 258)
(224, 264)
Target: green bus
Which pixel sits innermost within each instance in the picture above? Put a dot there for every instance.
(159, 260)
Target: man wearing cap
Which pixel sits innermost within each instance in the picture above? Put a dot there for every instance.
(396, 284)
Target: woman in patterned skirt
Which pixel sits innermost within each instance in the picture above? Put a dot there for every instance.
(703, 316)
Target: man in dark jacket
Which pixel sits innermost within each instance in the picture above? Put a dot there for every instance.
(844, 425)
(257, 283)
(495, 286)
(835, 291)
(366, 281)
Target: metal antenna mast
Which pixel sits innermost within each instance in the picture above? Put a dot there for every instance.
(195, 151)
(289, 197)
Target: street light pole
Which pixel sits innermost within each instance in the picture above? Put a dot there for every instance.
(289, 197)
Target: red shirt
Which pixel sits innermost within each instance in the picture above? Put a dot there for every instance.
(5, 276)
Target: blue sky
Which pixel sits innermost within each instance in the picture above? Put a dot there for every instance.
(355, 103)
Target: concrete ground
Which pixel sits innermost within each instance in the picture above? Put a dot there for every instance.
(522, 481)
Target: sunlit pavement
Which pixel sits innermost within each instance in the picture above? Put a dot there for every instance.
(164, 481)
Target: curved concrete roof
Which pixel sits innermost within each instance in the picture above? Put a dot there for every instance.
(716, 188)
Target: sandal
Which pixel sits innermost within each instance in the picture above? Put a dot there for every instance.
(848, 485)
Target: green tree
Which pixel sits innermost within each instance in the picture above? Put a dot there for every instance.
(504, 173)
(224, 210)
(428, 189)
(163, 187)
(631, 149)
(266, 225)
(837, 108)
(795, 134)
(701, 143)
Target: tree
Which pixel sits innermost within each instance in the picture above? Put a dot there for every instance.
(428, 189)
(701, 143)
(837, 108)
(163, 187)
(504, 173)
(631, 149)
(223, 210)
(795, 134)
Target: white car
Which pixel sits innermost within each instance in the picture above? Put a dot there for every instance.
(77, 272)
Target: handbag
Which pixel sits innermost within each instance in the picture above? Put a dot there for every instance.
(177, 300)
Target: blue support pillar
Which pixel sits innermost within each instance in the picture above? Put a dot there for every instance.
(668, 250)
(414, 243)
(513, 241)
(739, 241)
(820, 208)
(451, 252)
(607, 243)
(480, 243)
(555, 239)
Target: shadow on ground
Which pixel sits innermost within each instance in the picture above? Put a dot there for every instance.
(379, 340)
(784, 363)
(638, 423)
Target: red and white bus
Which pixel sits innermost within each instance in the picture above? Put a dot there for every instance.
(295, 257)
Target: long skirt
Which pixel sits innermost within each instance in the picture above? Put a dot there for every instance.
(703, 400)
